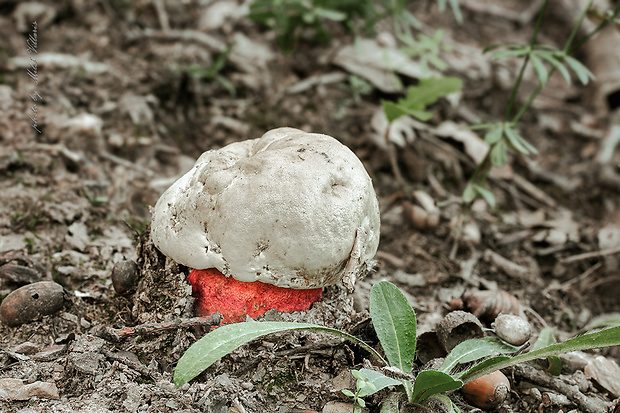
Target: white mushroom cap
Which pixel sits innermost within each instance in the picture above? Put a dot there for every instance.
(291, 209)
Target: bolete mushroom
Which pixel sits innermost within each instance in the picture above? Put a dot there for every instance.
(268, 222)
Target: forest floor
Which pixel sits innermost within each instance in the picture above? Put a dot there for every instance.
(132, 94)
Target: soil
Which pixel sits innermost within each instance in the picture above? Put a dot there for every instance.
(130, 101)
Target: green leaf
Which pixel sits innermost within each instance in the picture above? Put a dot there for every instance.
(348, 393)
(583, 73)
(475, 349)
(517, 142)
(497, 46)
(545, 338)
(456, 11)
(469, 193)
(485, 125)
(377, 380)
(494, 134)
(483, 367)
(499, 155)
(605, 338)
(330, 14)
(509, 53)
(551, 58)
(602, 321)
(486, 194)
(431, 89)
(420, 96)
(553, 364)
(395, 323)
(394, 111)
(430, 382)
(540, 69)
(226, 339)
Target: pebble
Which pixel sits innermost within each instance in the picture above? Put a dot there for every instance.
(339, 407)
(15, 389)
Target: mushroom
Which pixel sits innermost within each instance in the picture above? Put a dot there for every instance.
(268, 222)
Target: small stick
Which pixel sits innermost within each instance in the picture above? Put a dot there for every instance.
(117, 334)
(586, 403)
(587, 255)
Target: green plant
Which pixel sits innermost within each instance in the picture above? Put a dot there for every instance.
(358, 87)
(545, 61)
(213, 72)
(363, 387)
(290, 17)
(427, 50)
(416, 101)
(419, 97)
(395, 323)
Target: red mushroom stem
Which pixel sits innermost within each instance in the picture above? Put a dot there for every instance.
(234, 299)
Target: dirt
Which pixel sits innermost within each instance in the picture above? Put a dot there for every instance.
(128, 106)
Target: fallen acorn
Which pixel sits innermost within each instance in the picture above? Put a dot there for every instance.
(31, 301)
(512, 329)
(487, 392)
(267, 223)
(124, 277)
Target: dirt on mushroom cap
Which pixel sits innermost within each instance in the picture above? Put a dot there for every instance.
(283, 209)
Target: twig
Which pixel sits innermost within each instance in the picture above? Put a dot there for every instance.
(117, 334)
(580, 278)
(512, 269)
(183, 35)
(588, 255)
(162, 15)
(529, 188)
(541, 378)
(391, 152)
(523, 16)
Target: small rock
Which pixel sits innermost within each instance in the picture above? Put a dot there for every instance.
(50, 353)
(27, 347)
(15, 389)
(87, 363)
(20, 274)
(339, 407)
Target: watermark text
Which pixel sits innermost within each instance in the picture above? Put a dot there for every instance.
(32, 44)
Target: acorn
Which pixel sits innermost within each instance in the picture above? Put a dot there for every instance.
(512, 329)
(487, 392)
(124, 277)
(31, 301)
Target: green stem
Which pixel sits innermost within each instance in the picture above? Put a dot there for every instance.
(595, 31)
(573, 33)
(483, 168)
(408, 389)
(515, 89)
(569, 49)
